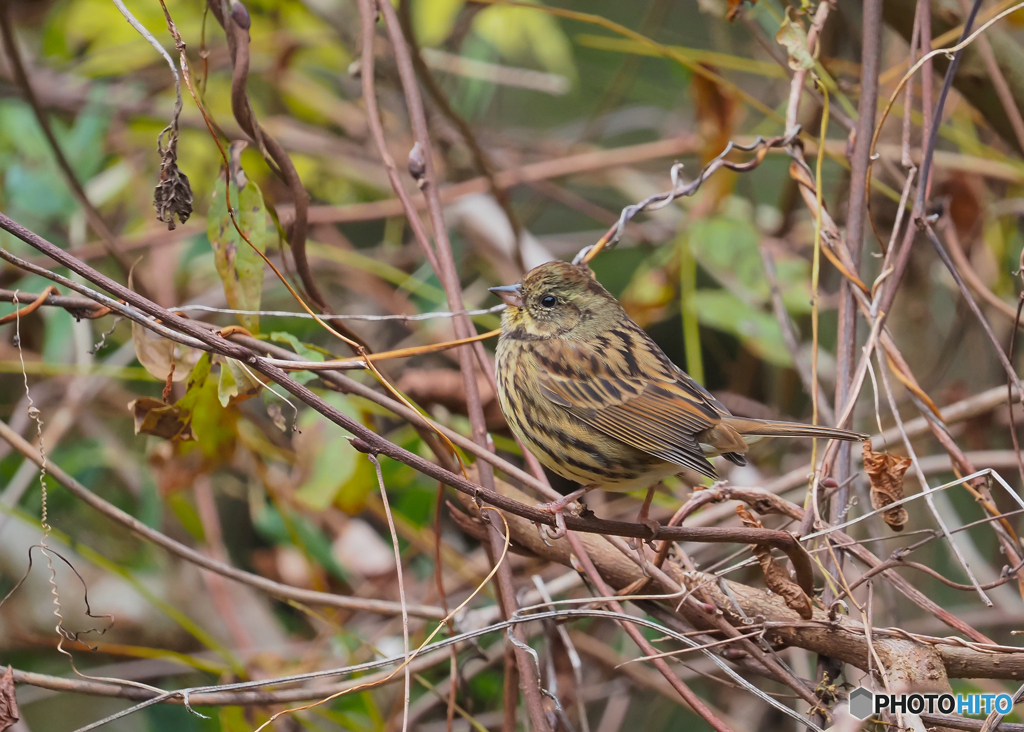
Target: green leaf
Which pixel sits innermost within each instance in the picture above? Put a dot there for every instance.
(307, 352)
(196, 380)
(207, 424)
(297, 531)
(240, 268)
(187, 515)
(728, 249)
(201, 410)
(756, 329)
(235, 384)
(300, 348)
(325, 458)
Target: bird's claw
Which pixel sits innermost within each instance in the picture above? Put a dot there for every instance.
(636, 543)
(557, 509)
(560, 527)
(654, 527)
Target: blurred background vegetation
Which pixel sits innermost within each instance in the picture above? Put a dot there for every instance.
(299, 504)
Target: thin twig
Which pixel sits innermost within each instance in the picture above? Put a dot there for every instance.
(401, 585)
(1011, 373)
(973, 280)
(463, 329)
(695, 702)
(309, 597)
(925, 488)
(481, 160)
(35, 302)
(760, 147)
(998, 81)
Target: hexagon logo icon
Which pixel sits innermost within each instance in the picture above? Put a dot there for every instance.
(862, 702)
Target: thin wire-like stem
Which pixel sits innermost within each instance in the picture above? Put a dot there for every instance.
(925, 488)
(401, 587)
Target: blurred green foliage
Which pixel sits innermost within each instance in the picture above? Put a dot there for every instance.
(286, 483)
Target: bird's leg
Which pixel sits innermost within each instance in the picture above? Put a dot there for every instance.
(557, 508)
(643, 518)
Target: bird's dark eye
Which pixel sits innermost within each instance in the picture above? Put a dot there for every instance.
(549, 301)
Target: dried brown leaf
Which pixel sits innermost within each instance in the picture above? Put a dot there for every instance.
(748, 518)
(792, 35)
(886, 474)
(173, 194)
(153, 417)
(8, 701)
(776, 577)
(781, 583)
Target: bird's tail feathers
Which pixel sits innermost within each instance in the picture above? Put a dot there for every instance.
(771, 428)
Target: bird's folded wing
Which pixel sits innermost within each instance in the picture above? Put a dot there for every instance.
(637, 398)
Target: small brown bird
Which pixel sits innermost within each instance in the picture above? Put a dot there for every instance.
(598, 402)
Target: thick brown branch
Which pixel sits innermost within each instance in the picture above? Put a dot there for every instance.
(925, 665)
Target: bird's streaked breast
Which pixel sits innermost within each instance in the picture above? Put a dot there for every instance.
(560, 441)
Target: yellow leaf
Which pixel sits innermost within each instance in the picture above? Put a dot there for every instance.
(433, 20)
(239, 265)
(522, 33)
(792, 35)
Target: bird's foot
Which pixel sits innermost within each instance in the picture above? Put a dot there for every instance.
(636, 543)
(558, 509)
(652, 525)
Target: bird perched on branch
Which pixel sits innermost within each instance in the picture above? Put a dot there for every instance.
(598, 402)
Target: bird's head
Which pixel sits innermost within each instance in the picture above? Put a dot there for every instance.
(556, 299)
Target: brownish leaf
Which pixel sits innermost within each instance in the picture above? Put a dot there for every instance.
(717, 113)
(781, 583)
(8, 701)
(748, 518)
(886, 474)
(776, 577)
(163, 358)
(153, 417)
(965, 196)
(792, 35)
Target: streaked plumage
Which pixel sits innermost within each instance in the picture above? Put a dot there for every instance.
(597, 401)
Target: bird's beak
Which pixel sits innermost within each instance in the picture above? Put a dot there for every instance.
(511, 295)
